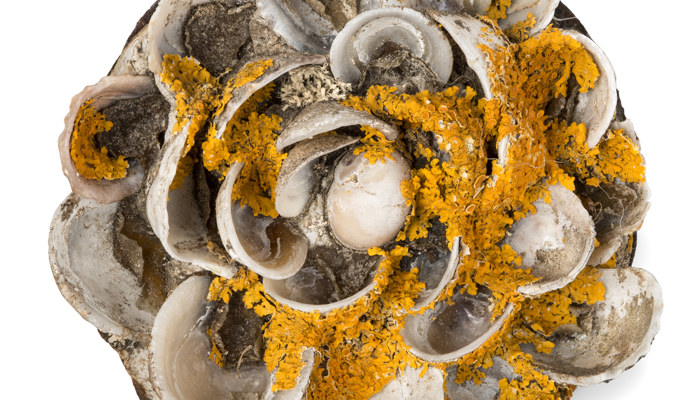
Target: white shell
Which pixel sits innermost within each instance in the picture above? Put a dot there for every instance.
(434, 342)
(107, 91)
(180, 347)
(555, 242)
(471, 34)
(409, 385)
(302, 381)
(175, 216)
(277, 252)
(618, 333)
(542, 10)
(429, 294)
(365, 206)
(88, 273)
(282, 63)
(596, 107)
(295, 179)
(365, 34)
(325, 117)
(298, 24)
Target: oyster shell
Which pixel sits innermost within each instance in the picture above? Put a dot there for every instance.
(422, 230)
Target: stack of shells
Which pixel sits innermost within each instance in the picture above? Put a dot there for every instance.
(136, 255)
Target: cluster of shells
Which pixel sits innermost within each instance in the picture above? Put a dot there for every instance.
(132, 257)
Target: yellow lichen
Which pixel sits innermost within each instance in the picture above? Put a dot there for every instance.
(360, 348)
(90, 162)
(497, 9)
(251, 72)
(375, 146)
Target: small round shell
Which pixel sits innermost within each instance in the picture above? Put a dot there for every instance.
(365, 35)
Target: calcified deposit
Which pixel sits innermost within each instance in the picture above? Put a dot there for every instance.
(290, 199)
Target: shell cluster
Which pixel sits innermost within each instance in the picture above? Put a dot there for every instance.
(374, 199)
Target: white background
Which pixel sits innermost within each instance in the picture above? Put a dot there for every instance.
(52, 49)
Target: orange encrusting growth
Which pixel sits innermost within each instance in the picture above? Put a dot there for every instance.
(497, 157)
(90, 162)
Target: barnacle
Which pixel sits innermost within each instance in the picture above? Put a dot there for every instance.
(357, 200)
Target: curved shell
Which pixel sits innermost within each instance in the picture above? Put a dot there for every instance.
(613, 335)
(282, 63)
(295, 179)
(542, 10)
(302, 381)
(596, 107)
(107, 91)
(430, 293)
(488, 389)
(85, 264)
(175, 216)
(325, 117)
(263, 244)
(302, 292)
(414, 384)
(451, 6)
(180, 347)
(448, 332)
(471, 35)
(555, 242)
(298, 24)
(365, 35)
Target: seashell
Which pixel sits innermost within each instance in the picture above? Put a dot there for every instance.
(298, 23)
(294, 182)
(377, 241)
(302, 381)
(310, 291)
(328, 116)
(556, 241)
(448, 332)
(596, 107)
(180, 349)
(363, 38)
(452, 6)
(541, 10)
(488, 389)
(106, 293)
(612, 335)
(471, 35)
(412, 384)
(430, 293)
(106, 92)
(364, 204)
(281, 65)
(175, 214)
(267, 246)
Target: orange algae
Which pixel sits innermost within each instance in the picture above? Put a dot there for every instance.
(90, 162)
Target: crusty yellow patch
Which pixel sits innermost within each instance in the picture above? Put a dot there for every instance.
(90, 162)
